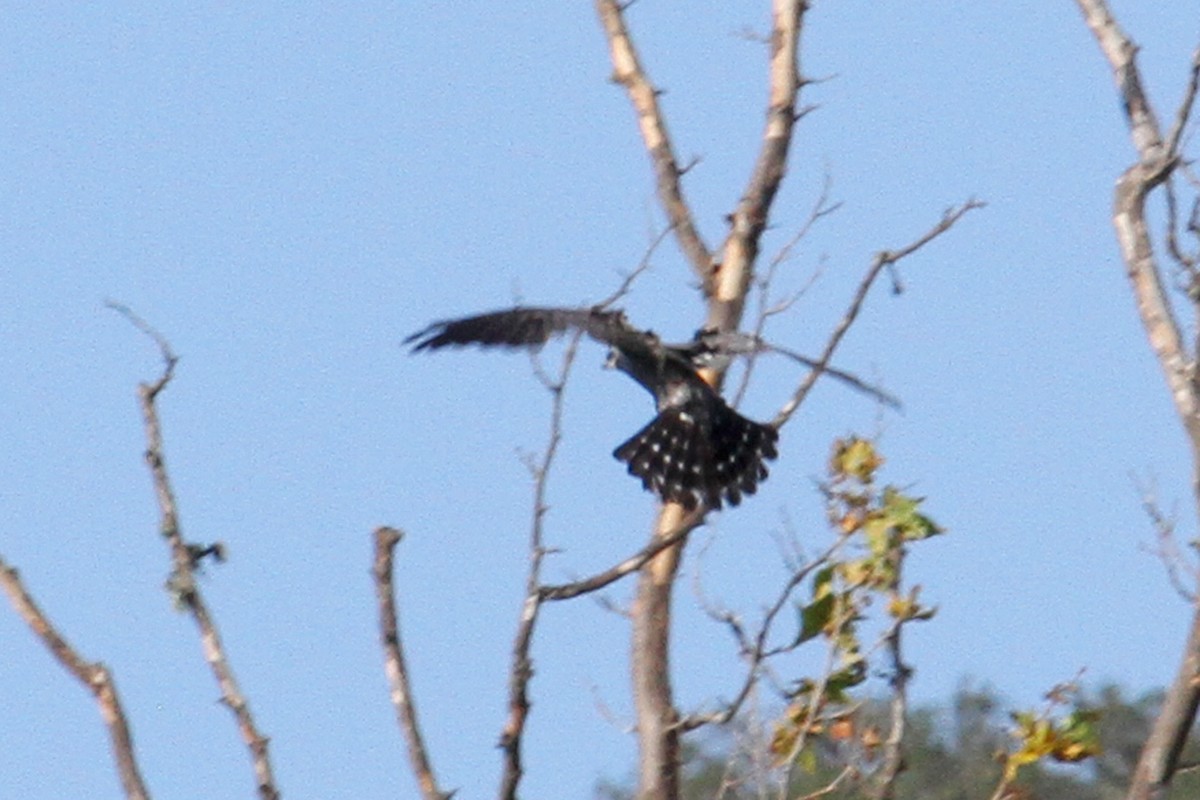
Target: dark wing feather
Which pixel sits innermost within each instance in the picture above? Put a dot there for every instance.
(519, 327)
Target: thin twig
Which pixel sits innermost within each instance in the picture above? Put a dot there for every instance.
(847, 772)
(643, 265)
(1166, 548)
(816, 698)
(766, 309)
(185, 558)
(883, 259)
(754, 649)
(849, 378)
(1184, 113)
(403, 699)
(94, 675)
(1186, 280)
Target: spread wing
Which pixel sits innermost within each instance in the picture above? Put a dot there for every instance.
(522, 327)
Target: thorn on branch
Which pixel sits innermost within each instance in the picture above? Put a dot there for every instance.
(804, 111)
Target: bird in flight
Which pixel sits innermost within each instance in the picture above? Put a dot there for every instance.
(697, 450)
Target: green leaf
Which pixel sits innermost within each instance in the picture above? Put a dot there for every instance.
(855, 458)
(814, 617)
(902, 512)
(846, 678)
(807, 760)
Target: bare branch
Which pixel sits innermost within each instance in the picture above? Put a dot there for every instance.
(849, 378)
(164, 347)
(1188, 279)
(94, 675)
(628, 72)
(725, 288)
(185, 558)
(1129, 214)
(403, 699)
(749, 219)
(521, 670)
(885, 258)
(658, 543)
(1155, 163)
(847, 772)
(1121, 53)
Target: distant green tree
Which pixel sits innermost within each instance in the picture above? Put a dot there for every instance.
(953, 751)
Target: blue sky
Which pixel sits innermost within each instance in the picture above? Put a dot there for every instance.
(287, 192)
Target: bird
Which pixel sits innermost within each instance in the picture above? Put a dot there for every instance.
(696, 450)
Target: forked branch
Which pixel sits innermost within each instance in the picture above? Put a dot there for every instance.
(755, 649)
(1157, 159)
(883, 259)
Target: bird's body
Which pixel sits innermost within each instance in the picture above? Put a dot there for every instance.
(696, 450)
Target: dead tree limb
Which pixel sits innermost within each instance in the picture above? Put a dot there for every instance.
(382, 570)
(628, 72)
(92, 674)
(187, 556)
(725, 285)
(1157, 159)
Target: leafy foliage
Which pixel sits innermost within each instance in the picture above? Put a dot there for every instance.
(875, 526)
